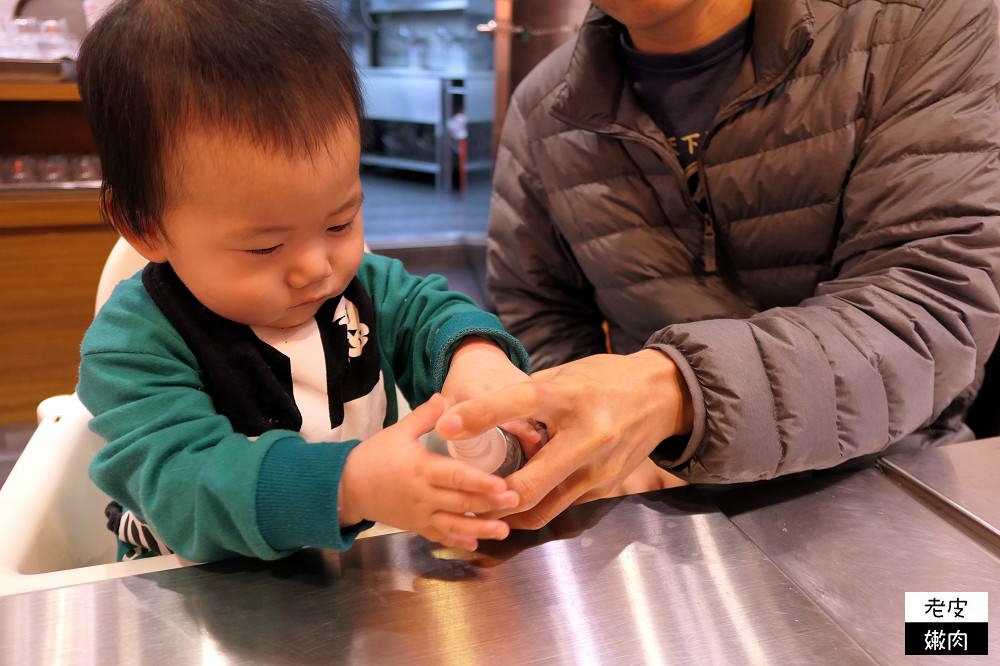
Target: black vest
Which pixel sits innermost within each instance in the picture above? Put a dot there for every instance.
(249, 381)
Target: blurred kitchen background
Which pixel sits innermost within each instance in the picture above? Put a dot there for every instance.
(437, 78)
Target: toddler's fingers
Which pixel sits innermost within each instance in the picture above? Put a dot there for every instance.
(449, 540)
(443, 472)
(421, 420)
(457, 525)
(464, 502)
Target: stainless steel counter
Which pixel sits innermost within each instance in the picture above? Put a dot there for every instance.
(655, 579)
(809, 570)
(964, 478)
(855, 542)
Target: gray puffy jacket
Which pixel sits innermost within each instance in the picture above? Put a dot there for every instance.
(840, 297)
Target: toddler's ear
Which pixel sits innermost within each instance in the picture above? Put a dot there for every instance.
(150, 246)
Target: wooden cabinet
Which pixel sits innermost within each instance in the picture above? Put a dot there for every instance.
(52, 248)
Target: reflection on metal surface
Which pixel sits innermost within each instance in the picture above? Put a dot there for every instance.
(745, 630)
(961, 478)
(641, 604)
(211, 653)
(657, 578)
(854, 543)
(577, 641)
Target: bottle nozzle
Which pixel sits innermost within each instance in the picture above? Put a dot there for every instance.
(475, 447)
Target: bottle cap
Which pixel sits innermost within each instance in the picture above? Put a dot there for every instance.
(476, 446)
(485, 452)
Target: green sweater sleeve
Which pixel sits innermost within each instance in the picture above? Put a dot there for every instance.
(208, 492)
(419, 323)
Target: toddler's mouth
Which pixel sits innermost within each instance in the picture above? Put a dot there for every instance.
(311, 301)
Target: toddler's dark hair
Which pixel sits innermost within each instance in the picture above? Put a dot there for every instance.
(274, 71)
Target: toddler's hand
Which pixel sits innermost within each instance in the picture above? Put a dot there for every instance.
(391, 478)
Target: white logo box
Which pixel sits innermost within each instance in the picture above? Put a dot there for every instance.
(976, 608)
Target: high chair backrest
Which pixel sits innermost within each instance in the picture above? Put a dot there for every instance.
(122, 262)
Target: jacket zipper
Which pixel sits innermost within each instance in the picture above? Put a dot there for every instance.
(708, 249)
(664, 153)
(709, 253)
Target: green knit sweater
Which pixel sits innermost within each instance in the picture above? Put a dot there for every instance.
(209, 492)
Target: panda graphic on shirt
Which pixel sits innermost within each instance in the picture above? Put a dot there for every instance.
(303, 346)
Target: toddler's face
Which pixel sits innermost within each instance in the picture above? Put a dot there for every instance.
(258, 237)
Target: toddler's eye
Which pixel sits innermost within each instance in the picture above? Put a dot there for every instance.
(340, 228)
(265, 250)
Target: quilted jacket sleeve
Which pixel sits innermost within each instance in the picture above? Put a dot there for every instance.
(885, 347)
(537, 287)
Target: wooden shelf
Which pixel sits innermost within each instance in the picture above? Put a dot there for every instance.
(52, 247)
(48, 280)
(39, 92)
(38, 209)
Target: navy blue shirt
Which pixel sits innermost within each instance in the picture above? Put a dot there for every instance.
(682, 92)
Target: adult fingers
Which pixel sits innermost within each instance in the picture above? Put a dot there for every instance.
(557, 501)
(514, 402)
(534, 446)
(553, 465)
(525, 433)
(532, 434)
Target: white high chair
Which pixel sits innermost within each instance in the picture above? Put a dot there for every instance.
(51, 514)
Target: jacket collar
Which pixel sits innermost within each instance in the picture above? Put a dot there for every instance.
(594, 83)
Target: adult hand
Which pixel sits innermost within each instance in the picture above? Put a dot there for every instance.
(478, 368)
(605, 415)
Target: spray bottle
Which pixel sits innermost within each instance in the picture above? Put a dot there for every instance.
(496, 451)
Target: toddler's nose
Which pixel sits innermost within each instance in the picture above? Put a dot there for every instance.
(310, 267)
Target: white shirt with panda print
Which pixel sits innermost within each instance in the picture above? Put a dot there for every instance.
(363, 417)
